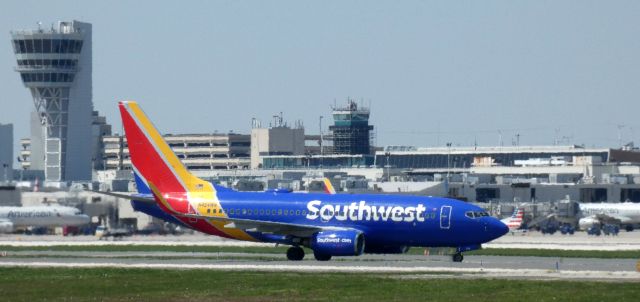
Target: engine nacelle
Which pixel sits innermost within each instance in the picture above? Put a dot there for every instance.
(6, 227)
(587, 222)
(386, 249)
(338, 243)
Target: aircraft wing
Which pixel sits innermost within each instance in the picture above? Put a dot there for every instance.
(606, 218)
(273, 227)
(146, 198)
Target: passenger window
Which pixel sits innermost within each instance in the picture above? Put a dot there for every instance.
(279, 212)
(304, 212)
(297, 212)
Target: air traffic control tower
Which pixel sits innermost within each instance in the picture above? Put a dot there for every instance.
(351, 129)
(55, 65)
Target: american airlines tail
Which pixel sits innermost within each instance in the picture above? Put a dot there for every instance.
(514, 222)
(156, 164)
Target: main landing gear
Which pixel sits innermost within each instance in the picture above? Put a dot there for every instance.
(295, 253)
(321, 257)
(457, 257)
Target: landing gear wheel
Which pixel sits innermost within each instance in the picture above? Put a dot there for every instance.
(295, 253)
(321, 257)
(457, 257)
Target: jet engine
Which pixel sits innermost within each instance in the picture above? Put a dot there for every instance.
(587, 222)
(6, 226)
(338, 243)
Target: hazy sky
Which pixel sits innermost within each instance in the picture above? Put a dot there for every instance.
(433, 72)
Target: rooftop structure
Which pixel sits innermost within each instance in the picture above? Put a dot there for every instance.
(55, 65)
(278, 139)
(466, 157)
(351, 129)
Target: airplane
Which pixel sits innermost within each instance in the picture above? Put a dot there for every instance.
(625, 214)
(40, 216)
(514, 222)
(329, 224)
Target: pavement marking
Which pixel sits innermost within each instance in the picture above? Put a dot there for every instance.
(468, 272)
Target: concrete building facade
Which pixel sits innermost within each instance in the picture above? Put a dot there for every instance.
(196, 151)
(278, 140)
(6, 152)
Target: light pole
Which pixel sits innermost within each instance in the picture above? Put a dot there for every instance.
(321, 151)
(448, 159)
(6, 177)
(448, 168)
(388, 154)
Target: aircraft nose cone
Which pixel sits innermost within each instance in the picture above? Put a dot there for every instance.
(82, 219)
(496, 228)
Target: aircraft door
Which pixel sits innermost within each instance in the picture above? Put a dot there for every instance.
(445, 217)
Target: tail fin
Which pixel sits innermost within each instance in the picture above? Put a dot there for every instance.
(514, 222)
(153, 159)
(518, 213)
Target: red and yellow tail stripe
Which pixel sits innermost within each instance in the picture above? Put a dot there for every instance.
(176, 189)
(328, 186)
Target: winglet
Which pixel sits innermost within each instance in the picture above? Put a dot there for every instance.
(328, 187)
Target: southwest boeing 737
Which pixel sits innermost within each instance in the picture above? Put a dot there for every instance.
(328, 224)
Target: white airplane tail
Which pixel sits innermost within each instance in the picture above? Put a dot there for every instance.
(514, 222)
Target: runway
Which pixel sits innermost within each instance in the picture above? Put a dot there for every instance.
(532, 240)
(405, 266)
(545, 268)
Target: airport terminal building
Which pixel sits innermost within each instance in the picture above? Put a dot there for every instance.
(214, 151)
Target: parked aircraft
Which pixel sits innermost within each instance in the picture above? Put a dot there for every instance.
(624, 214)
(328, 224)
(40, 216)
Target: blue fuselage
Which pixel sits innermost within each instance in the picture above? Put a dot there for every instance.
(385, 220)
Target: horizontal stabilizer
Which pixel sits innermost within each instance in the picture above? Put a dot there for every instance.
(138, 197)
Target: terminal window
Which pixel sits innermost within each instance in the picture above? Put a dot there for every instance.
(593, 195)
(487, 194)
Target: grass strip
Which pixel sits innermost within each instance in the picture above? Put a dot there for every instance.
(106, 284)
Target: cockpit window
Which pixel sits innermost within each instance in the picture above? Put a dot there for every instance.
(482, 214)
(476, 214)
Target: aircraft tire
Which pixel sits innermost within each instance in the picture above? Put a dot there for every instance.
(295, 253)
(457, 257)
(321, 257)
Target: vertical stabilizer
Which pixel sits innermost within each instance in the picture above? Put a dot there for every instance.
(152, 157)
